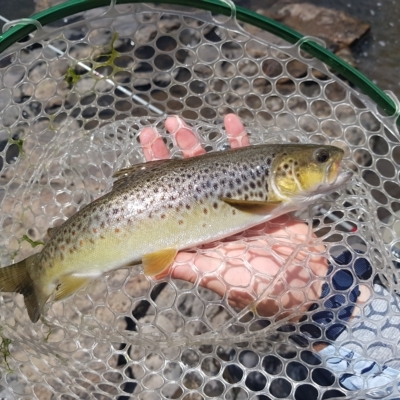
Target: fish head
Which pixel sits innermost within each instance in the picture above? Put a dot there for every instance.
(302, 171)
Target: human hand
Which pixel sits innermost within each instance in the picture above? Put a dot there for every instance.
(278, 266)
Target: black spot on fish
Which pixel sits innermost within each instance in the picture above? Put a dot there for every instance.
(269, 161)
(252, 185)
(215, 186)
(188, 207)
(296, 163)
(205, 211)
(234, 212)
(238, 181)
(215, 205)
(228, 194)
(285, 166)
(180, 222)
(246, 196)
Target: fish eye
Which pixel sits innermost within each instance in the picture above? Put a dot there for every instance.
(321, 155)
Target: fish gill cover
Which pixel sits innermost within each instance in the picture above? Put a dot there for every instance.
(69, 121)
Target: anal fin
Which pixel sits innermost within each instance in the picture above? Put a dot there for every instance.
(70, 284)
(159, 261)
(253, 206)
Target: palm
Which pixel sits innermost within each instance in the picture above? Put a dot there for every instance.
(253, 267)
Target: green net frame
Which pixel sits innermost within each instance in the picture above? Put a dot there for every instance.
(315, 49)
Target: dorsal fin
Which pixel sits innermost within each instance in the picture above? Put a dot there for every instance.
(135, 170)
(50, 231)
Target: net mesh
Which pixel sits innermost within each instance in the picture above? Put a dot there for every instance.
(73, 101)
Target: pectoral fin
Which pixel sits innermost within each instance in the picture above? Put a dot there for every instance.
(69, 284)
(253, 206)
(159, 261)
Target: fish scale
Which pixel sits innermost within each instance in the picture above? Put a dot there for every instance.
(157, 208)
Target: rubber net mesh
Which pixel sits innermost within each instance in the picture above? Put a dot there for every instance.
(72, 102)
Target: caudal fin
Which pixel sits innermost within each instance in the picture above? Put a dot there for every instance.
(16, 278)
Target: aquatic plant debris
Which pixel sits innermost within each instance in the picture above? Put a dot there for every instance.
(5, 348)
(32, 242)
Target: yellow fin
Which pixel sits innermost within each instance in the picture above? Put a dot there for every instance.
(253, 206)
(70, 284)
(159, 261)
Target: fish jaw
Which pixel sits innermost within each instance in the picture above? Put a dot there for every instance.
(323, 189)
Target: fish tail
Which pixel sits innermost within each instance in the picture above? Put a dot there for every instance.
(16, 278)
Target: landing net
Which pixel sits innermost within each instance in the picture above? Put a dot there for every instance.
(73, 99)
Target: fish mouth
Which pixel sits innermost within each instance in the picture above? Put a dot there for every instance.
(336, 177)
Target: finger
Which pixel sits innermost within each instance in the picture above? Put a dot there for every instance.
(184, 136)
(154, 147)
(237, 135)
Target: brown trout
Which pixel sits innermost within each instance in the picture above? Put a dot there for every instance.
(157, 208)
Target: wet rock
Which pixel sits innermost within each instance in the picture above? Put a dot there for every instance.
(336, 28)
(42, 5)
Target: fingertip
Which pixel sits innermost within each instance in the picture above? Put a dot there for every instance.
(153, 146)
(147, 135)
(233, 125)
(172, 123)
(184, 136)
(236, 132)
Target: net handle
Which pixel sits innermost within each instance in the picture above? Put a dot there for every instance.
(71, 7)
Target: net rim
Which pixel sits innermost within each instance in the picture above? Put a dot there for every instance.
(68, 8)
